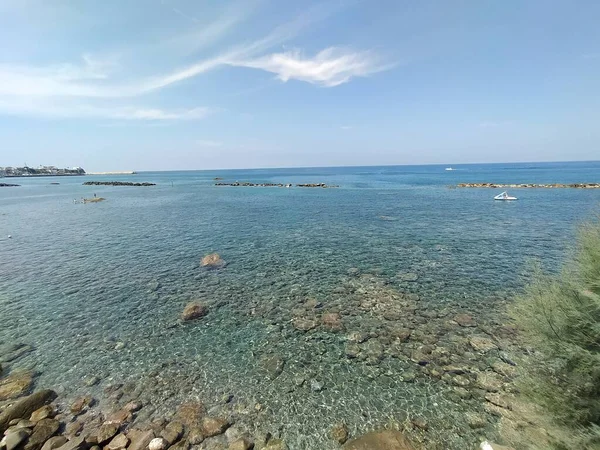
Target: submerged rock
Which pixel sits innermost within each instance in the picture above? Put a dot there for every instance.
(81, 404)
(380, 440)
(241, 444)
(213, 426)
(273, 365)
(482, 344)
(15, 385)
(304, 324)
(212, 261)
(332, 321)
(194, 311)
(339, 433)
(465, 320)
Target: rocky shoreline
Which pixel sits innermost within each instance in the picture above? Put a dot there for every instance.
(116, 183)
(286, 185)
(465, 362)
(531, 185)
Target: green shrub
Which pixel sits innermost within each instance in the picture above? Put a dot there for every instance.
(559, 317)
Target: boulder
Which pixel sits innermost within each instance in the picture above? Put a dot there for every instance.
(120, 441)
(241, 444)
(119, 418)
(140, 440)
(195, 436)
(275, 444)
(81, 404)
(106, 432)
(15, 439)
(172, 432)
(190, 413)
(212, 261)
(25, 406)
(54, 443)
(193, 311)
(77, 443)
(44, 430)
(15, 385)
(44, 412)
(213, 426)
(380, 440)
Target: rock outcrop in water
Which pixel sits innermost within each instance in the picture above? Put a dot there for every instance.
(531, 185)
(212, 261)
(116, 183)
(287, 185)
(194, 311)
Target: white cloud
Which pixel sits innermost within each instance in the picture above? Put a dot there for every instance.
(346, 127)
(330, 67)
(82, 89)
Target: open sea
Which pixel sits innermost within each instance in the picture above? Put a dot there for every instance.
(97, 289)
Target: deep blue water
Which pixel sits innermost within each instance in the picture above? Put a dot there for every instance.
(76, 280)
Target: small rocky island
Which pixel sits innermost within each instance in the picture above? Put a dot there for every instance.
(531, 185)
(116, 183)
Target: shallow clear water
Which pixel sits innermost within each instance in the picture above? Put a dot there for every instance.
(76, 279)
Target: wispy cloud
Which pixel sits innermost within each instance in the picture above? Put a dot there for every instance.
(68, 109)
(207, 143)
(81, 89)
(346, 127)
(330, 67)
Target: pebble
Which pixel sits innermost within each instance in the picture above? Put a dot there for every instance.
(158, 444)
(316, 386)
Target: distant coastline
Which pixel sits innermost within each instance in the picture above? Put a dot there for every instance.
(41, 171)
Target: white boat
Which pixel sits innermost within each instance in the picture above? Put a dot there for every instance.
(449, 168)
(504, 196)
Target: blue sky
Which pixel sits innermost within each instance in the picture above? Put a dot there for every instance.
(199, 84)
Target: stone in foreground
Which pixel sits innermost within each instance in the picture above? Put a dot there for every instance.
(25, 406)
(380, 440)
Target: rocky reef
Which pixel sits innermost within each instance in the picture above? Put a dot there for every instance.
(116, 183)
(287, 185)
(8, 185)
(531, 185)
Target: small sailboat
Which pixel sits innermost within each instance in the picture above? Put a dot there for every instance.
(504, 196)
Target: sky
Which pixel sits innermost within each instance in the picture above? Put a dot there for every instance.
(213, 84)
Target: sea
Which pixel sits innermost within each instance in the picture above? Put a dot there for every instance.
(97, 289)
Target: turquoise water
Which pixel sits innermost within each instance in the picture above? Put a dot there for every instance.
(97, 289)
